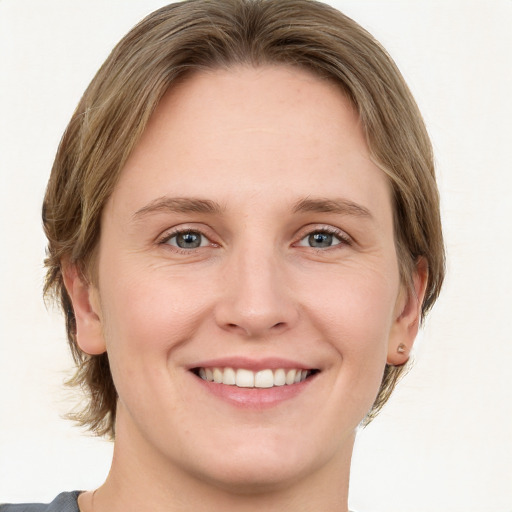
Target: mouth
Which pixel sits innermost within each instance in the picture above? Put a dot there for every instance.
(263, 379)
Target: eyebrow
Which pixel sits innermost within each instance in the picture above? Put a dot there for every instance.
(338, 206)
(179, 205)
(207, 206)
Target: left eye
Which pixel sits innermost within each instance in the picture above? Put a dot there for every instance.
(188, 240)
(320, 240)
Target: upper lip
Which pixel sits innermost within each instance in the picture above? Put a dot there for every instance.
(272, 363)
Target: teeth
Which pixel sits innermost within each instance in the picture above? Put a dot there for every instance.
(218, 375)
(264, 379)
(279, 377)
(290, 376)
(229, 377)
(243, 378)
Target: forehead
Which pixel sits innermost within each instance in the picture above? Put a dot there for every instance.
(246, 131)
(281, 101)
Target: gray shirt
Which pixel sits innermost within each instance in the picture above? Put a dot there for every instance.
(64, 502)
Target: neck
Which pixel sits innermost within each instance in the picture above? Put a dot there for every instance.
(141, 480)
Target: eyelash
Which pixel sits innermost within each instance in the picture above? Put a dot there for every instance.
(164, 240)
(344, 239)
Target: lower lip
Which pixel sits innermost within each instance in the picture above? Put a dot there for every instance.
(255, 398)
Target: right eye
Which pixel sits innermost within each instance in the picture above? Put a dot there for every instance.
(187, 240)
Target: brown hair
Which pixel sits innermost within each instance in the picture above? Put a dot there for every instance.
(200, 34)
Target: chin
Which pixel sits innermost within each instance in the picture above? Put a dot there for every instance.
(254, 476)
(263, 465)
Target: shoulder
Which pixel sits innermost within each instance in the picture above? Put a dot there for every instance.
(64, 502)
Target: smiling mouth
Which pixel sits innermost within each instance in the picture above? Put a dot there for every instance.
(244, 378)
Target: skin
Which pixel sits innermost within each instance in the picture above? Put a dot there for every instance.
(257, 142)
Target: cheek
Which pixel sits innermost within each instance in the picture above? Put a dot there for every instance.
(354, 314)
(355, 304)
(146, 317)
(145, 321)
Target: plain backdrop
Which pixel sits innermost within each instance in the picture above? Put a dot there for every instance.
(444, 442)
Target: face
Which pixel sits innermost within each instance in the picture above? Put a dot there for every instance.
(248, 291)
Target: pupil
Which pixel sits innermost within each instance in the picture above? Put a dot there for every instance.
(320, 240)
(188, 240)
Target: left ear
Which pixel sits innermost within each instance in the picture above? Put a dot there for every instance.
(407, 316)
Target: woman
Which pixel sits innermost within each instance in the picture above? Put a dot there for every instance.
(244, 234)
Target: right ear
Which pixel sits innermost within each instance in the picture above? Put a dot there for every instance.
(86, 306)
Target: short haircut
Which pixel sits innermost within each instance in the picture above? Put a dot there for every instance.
(173, 43)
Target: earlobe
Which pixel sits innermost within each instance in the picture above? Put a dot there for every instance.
(85, 299)
(408, 317)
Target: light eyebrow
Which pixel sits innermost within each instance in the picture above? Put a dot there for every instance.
(338, 206)
(178, 205)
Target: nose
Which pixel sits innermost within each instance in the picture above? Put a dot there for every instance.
(257, 298)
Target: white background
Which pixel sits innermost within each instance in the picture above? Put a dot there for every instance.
(444, 442)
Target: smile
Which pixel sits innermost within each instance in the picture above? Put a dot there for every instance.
(244, 378)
